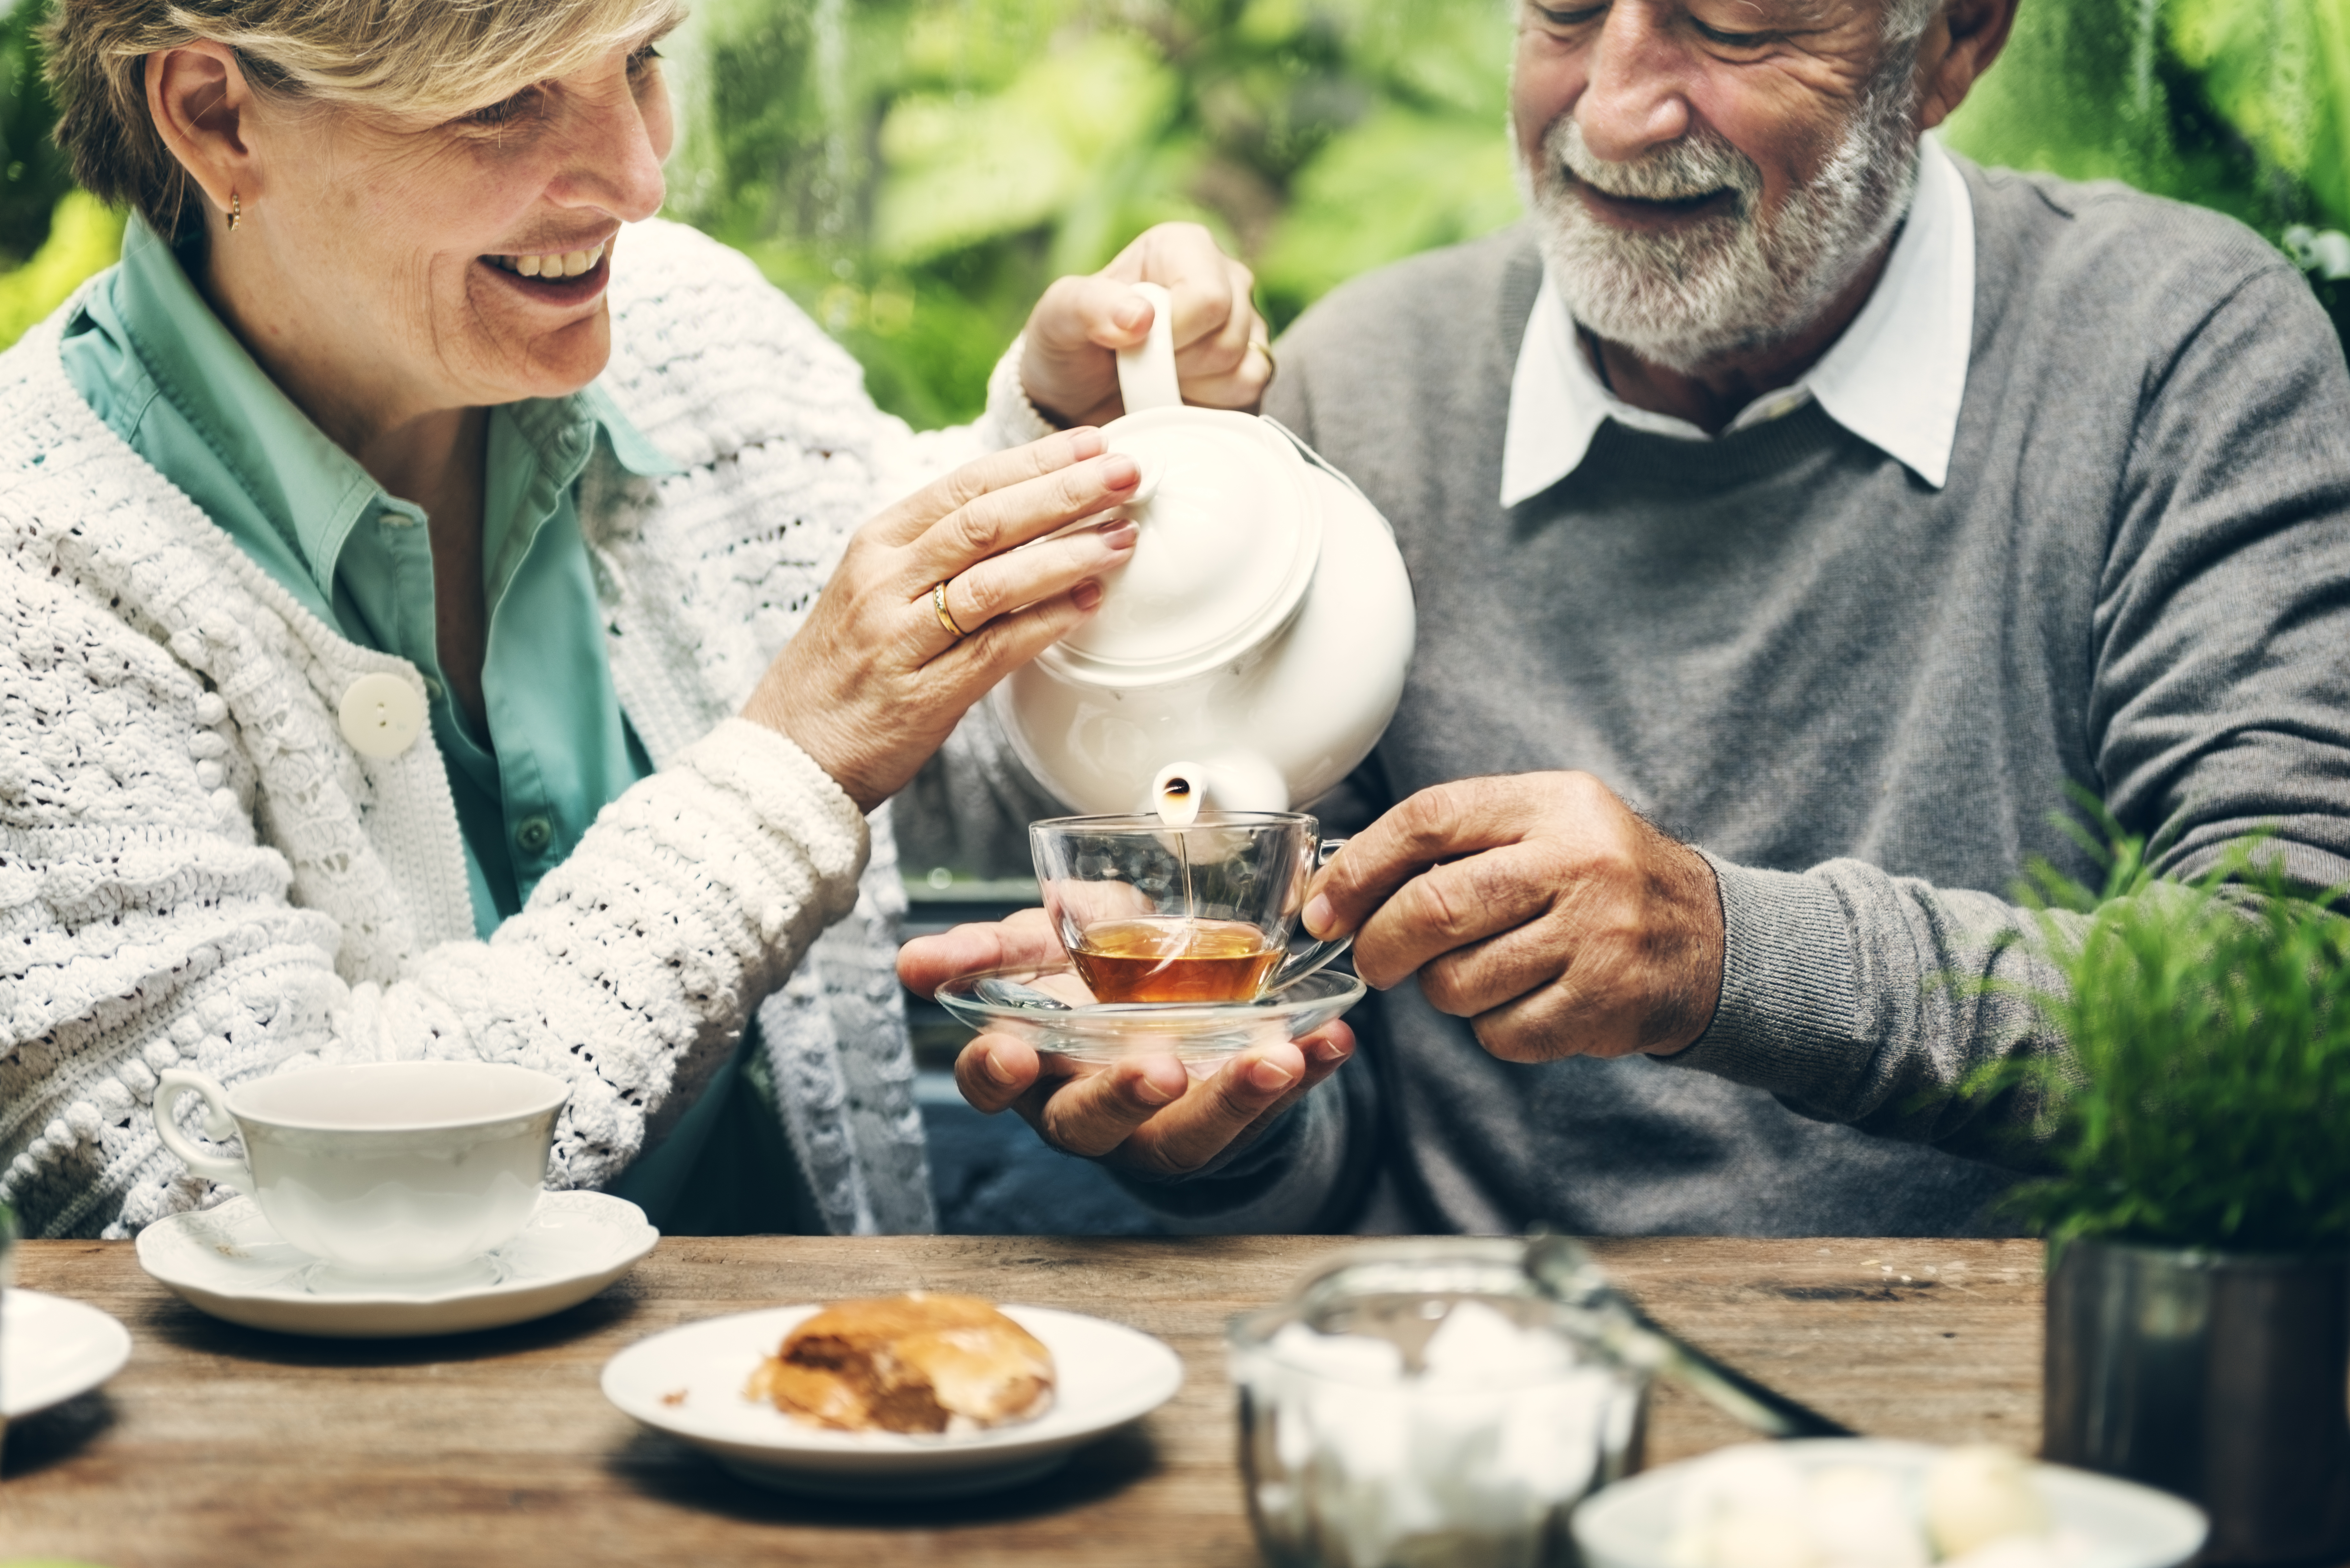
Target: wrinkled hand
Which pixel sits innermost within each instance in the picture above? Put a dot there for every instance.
(1070, 365)
(1150, 1117)
(1539, 907)
(873, 682)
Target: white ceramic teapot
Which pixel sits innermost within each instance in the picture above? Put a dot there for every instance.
(1250, 652)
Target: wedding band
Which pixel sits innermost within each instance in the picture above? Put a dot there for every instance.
(946, 617)
(1272, 365)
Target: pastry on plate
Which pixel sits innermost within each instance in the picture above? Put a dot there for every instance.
(914, 1363)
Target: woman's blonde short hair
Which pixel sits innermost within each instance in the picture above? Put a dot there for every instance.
(415, 60)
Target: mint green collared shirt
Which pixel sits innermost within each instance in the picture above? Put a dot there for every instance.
(147, 354)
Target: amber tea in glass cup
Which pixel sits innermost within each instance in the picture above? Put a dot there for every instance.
(1150, 912)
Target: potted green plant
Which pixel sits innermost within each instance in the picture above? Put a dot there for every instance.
(2196, 1200)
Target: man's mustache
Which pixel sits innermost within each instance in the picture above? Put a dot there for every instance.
(1699, 164)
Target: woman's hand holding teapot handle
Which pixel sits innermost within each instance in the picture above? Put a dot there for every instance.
(1221, 355)
(876, 679)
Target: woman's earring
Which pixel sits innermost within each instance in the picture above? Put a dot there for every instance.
(236, 211)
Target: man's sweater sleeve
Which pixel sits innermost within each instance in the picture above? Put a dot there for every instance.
(2220, 709)
(1304, 1177)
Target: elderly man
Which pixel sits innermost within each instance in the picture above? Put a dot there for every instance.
(1828, 503)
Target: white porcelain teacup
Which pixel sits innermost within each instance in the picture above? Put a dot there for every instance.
(394, 1168)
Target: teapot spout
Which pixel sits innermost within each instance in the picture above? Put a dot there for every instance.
(1239, 782)
(1176, 793)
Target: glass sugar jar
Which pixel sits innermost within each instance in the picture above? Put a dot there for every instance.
(1422, 1402)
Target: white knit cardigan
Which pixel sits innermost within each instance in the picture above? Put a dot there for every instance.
(197, 868)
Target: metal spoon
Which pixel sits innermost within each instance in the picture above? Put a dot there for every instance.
(1569, 1275)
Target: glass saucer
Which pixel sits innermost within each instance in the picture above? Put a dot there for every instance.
(1202, 1034)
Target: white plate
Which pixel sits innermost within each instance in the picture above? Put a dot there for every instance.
(1628, 1525)
(52, 1349)
(1105, 1375)
(229, 1262)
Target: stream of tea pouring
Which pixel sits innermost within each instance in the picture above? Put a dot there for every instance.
(1180, 792)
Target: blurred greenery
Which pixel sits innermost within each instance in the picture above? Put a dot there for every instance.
(2242, 105)
(914, 172)
(84, 234)
(945, 159)
(33, 177)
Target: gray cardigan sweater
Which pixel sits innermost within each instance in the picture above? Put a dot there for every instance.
(1862, 697)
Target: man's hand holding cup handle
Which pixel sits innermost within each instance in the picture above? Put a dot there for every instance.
(1537, 906)
(1540, 907)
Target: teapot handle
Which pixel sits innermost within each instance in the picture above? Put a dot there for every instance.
(1146, 376)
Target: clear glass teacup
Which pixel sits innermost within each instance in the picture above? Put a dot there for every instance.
(1425, 1402)
(1153, 913)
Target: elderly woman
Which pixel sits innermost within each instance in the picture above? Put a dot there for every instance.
(419, 639)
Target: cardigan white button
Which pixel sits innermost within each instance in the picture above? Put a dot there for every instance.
(381, 715)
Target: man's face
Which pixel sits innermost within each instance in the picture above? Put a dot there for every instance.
(1707, 175)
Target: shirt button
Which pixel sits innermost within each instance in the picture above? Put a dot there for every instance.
(533, 835)
(381, 715)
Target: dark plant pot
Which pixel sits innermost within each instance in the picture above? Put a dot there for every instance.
(2224, 1377)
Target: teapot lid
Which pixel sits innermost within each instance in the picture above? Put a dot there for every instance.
(1229, 531)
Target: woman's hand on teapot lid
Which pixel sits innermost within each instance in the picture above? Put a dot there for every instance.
(1070, 365)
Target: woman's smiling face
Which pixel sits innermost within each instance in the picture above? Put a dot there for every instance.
(407, 268)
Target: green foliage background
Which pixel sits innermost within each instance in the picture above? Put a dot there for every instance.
(914, 172)
(945, 159)
(942, 159)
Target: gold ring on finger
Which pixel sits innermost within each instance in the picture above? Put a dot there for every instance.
(946, 616)
(1272, 365)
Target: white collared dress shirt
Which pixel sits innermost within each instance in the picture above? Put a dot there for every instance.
(1894, 379)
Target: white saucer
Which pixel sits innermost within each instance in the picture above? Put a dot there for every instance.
(52, 1349)
(688, 1382)
(229, 1262)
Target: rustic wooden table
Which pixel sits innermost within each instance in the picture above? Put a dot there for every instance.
(219, 1445)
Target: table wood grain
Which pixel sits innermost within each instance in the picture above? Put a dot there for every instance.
(219, 1445)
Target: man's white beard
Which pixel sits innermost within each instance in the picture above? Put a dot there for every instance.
(1732, 282)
